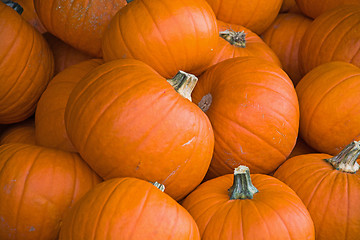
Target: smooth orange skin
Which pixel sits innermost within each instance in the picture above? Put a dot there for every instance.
(254, 114)
(80, 24)
(314, 8)
(329, 106)
(37, 186)
(22, 132)
(331, 196)
(128, 208)
(255, 15)
(283, 37)
(333, 36)
(26, 66)
(127, 120)
(168, 35)
(275, 212)
(50, 128)
(30, 15)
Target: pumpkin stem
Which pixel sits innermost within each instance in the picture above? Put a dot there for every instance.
(14, 6)
(205, 102)
(159, 186)
(234, 38)
(183, 83)
(346, 160)
(242, 187)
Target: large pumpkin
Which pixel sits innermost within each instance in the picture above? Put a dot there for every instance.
(254, 111)
(26, 66)
(330, 106)
(329, 186)
(127, 120)
(128, 208)
(243, 207)
(78, 23)
(314, 8)
(333, 36)
(49, 116)
(22, 132)
(168, 35)
(37, 186)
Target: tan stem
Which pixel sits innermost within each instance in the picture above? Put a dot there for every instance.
(346, 160)
(159, 186)
(234, 38)
(184, 83)
(242, 187)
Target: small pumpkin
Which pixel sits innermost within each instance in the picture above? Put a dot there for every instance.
(247, 207)
(329, 186)
(22, 132)
(128, 208)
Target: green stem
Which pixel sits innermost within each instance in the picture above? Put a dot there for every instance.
(242, 187)
(14, 6)
(346, 160)
(159, 186)
(234, 38)
(184, 83)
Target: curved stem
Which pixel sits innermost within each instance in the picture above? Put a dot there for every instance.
(183, 83)
(14, 6)
(346, 160)
(242, 187)
(234, 38)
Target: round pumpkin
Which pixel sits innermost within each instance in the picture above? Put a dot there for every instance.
(80, 24)
(37, 186)
(329, 186)
(49, 116)
(314, 8)
(254, 111)
(333, 36)
(30, 15)
(22, 132)
(128, 208)
(26, 66)
(330, 106)
(126, 120)
(284, 36)
(256, 15)
(247, 207)
(168, 35)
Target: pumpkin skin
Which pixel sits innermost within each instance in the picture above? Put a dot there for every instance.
(330, 195)
(128, 208)
(26, 66)
(284, 36)
(80, 24)
(255, 15)
(50, 128)
(22, 132)
(333, 36)
(30, 206)
(254, 114)
(144, 30)
(314, 8)
(30, 15)
(329, 106)
(126, 120)
(274, 212)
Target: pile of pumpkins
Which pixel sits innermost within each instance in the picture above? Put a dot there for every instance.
(179, 119)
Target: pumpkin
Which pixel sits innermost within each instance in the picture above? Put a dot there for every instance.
(22, 132)
(145, 30)
(26, 66)
(64, 54)
(329, 186)
(255, 15)
(30, 15)
(80, 24)
(329, 106)
(284, 36)
(314, 8)
(333, 36)
(126, 120)
(128, 208)
(253, 108)
(49, 116)
(247, 207)
(37, 186)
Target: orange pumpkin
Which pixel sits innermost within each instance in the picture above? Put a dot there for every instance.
(127, 120)
(240, 206)
(254, 111)
(314, 8)
(37, 186)
(26, 66)
(329, 186)
(22, 132)
(128, 208)
(168, 35)
(49, 116)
